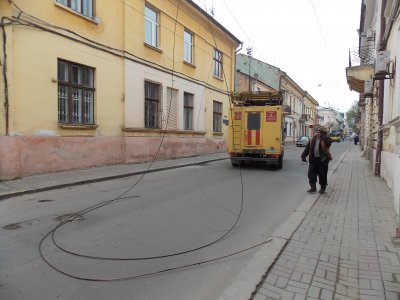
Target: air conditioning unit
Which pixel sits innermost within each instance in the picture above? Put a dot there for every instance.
(382, 63)
(368, 88)
(370, 35)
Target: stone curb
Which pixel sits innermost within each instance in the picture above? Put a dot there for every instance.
(24, 191)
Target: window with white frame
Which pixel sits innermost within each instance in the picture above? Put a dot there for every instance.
(217, 66)
(85, 7)
(151, 105)
(151, 26)
(188, 47)
(217, 116)
(188, 111)
(75, 93)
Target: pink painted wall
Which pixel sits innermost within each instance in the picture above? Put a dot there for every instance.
(23, 156)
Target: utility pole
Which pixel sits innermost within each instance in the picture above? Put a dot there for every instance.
(249, 53)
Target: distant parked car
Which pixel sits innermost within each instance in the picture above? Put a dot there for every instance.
(302, 141)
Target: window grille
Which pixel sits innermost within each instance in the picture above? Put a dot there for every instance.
(217, 116)
(172, 109)
(75, 93)
(188, 111)
(152, 105)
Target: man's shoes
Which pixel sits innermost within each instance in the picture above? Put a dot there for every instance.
(312, 190)
(322, 190)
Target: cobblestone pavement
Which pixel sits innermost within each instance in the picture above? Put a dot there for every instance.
(345, 247)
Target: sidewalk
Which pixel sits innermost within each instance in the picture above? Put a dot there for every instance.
(38, 183)
(345, 247)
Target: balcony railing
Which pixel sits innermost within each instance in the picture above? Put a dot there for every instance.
(362, 56)
(287, 109)
(304, 117)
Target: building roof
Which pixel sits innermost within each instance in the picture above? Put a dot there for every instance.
(216, 23)
(267, 74)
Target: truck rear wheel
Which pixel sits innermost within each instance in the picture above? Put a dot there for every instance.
(280, 163)
(237, 163)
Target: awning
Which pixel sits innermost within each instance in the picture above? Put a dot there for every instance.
(356, 77)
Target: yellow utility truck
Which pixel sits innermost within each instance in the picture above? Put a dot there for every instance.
(256, 128)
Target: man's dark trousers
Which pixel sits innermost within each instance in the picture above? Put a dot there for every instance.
(317, 168)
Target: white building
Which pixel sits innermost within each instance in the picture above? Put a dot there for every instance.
(373, 73)
(328, 118)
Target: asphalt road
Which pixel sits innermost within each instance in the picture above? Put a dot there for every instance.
(165, 213)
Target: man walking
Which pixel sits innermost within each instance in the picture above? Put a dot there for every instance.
(319, 156)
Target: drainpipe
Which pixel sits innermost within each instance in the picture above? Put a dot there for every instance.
(6, 102)
(380, 98)
(380, 129)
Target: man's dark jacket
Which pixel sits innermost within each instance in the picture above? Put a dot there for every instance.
(309, 150)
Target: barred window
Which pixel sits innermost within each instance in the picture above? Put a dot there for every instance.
(85, 7)
(188, 111)
(151, 105)
(217, 116)
(217, 66)
(75, 93)
(188, 47)
(151, 26)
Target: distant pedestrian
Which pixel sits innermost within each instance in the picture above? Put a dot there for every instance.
(319, 156)
(356, 139)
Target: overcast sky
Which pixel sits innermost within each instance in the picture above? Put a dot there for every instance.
(307, 39)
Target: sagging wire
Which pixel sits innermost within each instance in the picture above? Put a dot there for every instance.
(324, 40)
(245, 33)
(86, 41)
(198, 122)
(99, 279)
(104, 203)
(227, 89)
(230, 111)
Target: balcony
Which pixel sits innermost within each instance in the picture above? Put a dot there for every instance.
(287, 110)
(304, 117)
(362, 56)
(361, 67)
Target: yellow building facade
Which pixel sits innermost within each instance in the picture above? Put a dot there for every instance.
(310, 114)
(90, 83)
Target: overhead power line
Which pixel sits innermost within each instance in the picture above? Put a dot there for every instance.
(324, 41)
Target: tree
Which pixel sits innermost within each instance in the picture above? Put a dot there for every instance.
(351, 116)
